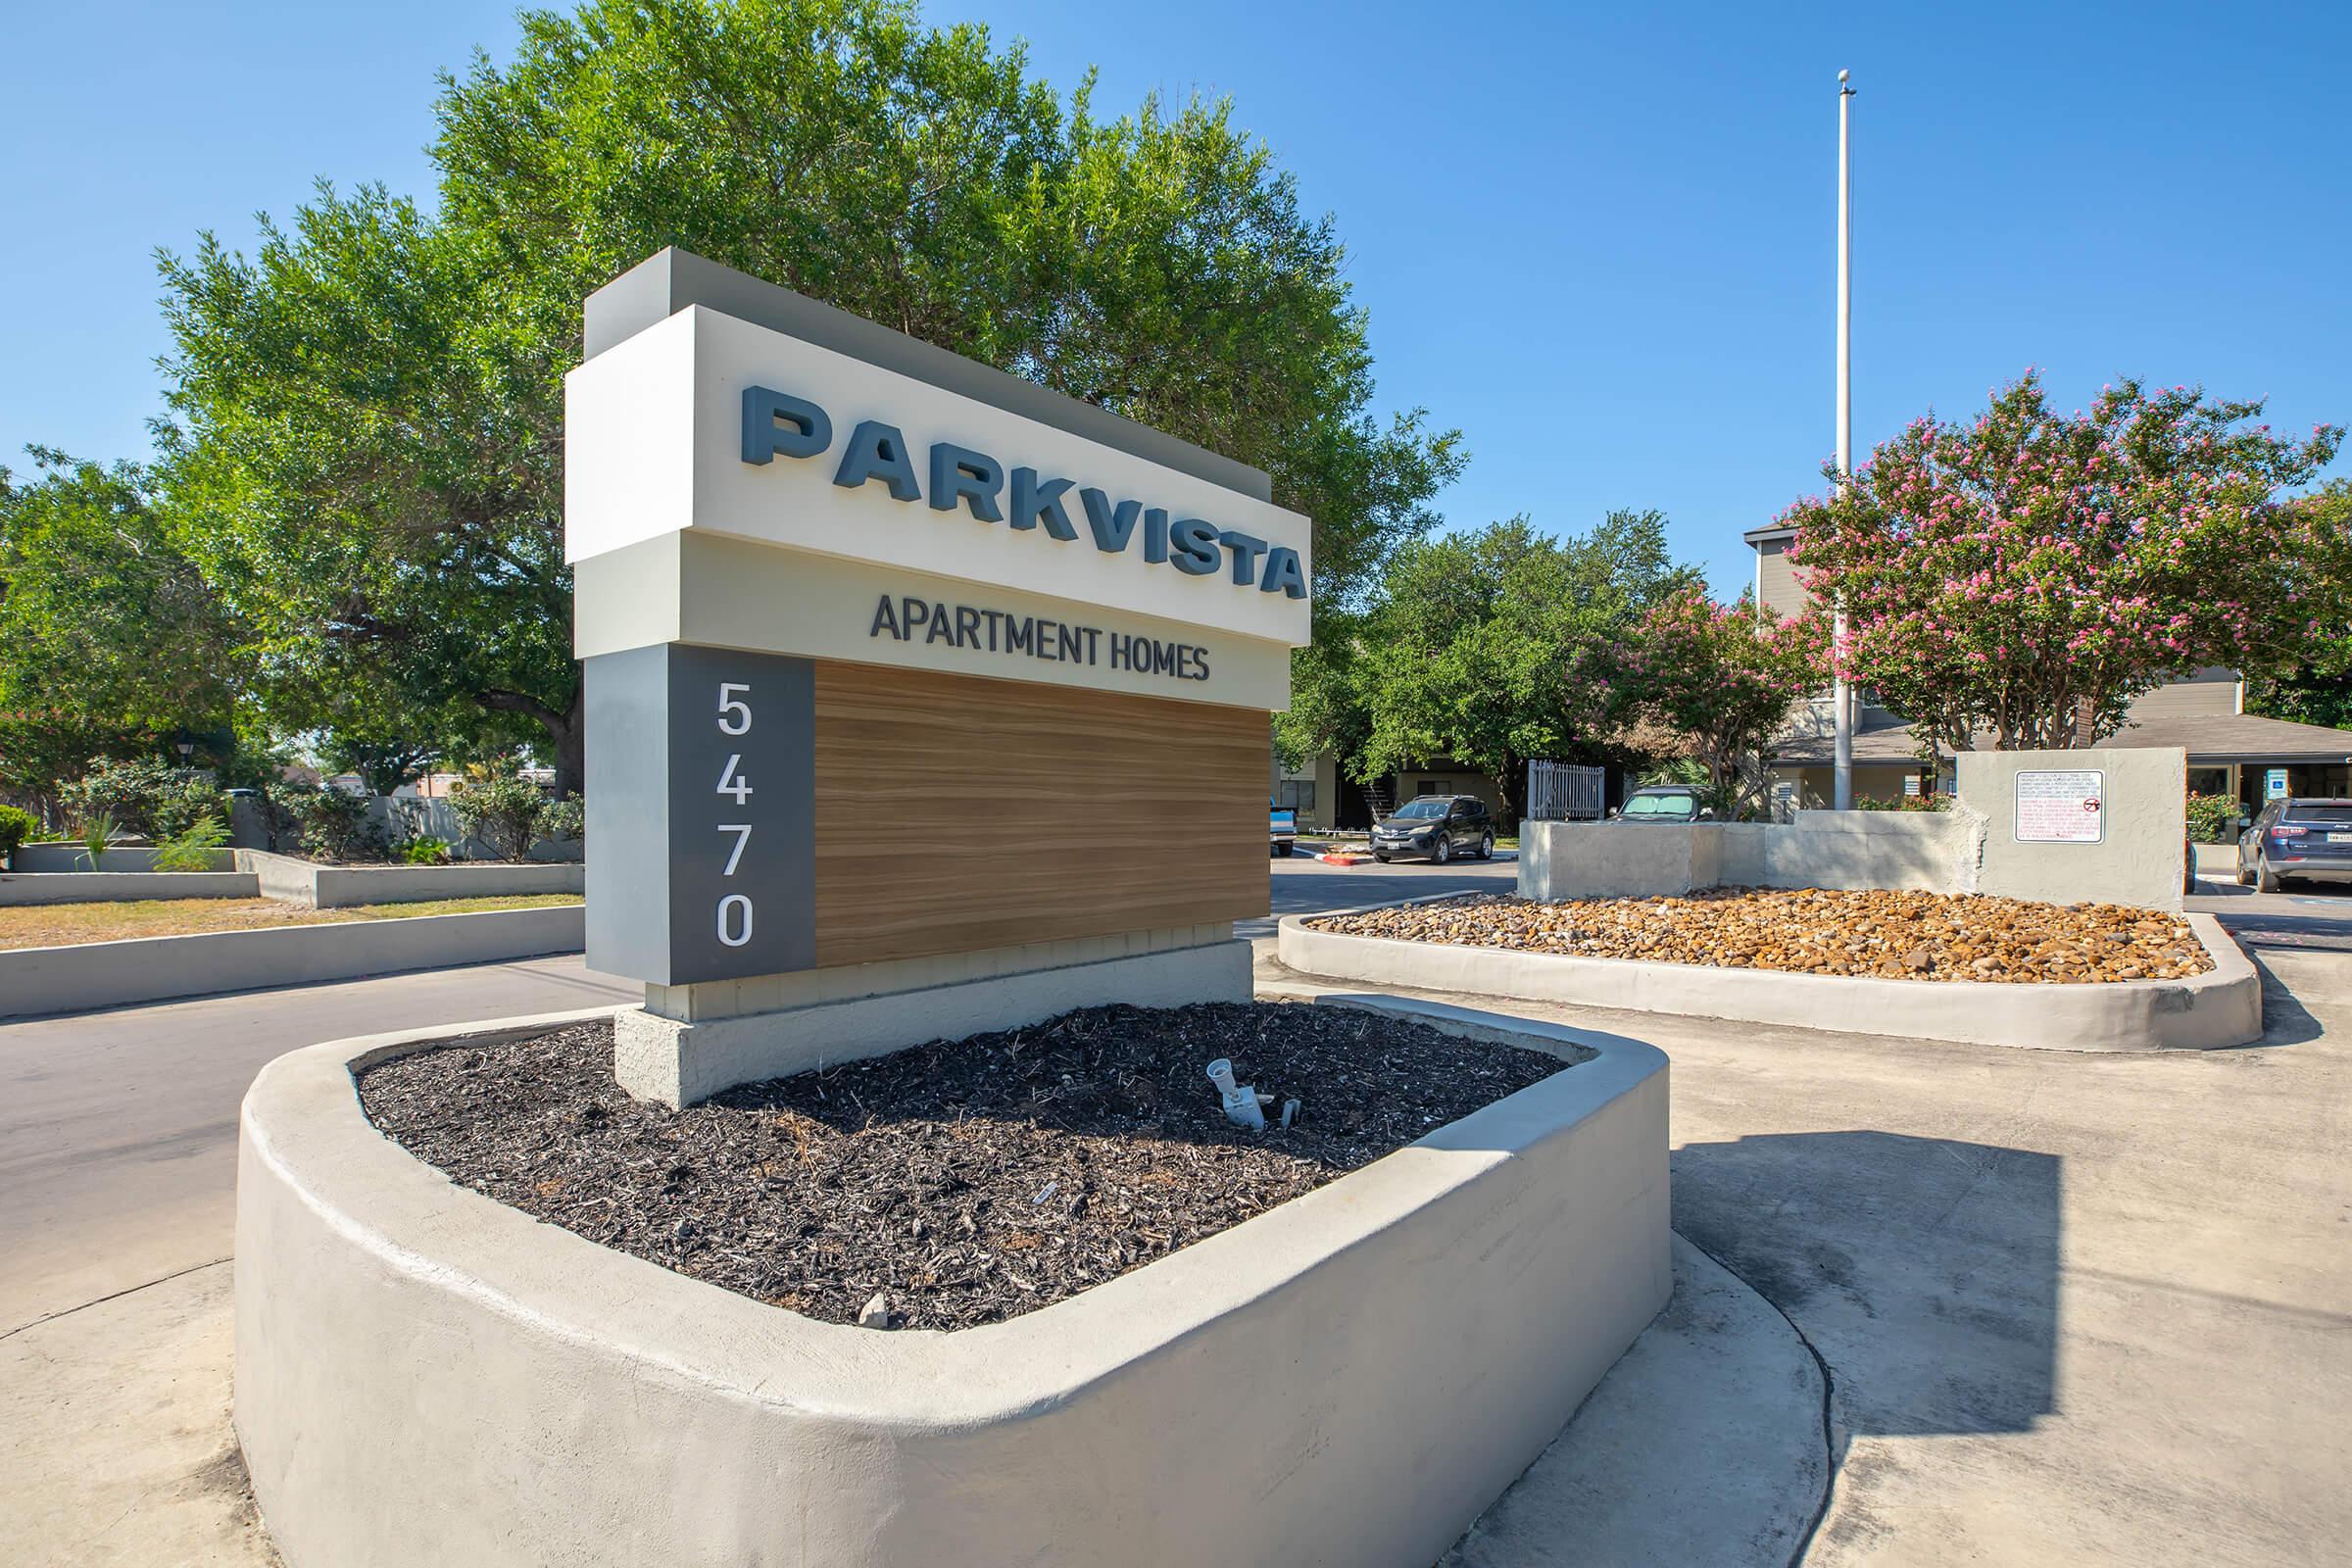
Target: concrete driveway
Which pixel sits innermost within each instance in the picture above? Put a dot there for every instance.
(2074, 1308)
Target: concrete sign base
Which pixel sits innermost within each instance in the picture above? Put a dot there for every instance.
(848, 1015)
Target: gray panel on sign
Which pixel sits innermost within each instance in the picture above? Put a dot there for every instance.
(628, 799)
(742, 814)
(670, 280)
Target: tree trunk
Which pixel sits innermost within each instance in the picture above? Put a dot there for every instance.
(570, 738)
(565, 731)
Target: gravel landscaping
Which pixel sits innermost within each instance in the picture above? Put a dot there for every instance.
(57, 925)
(1888, 935)
(962, 1181)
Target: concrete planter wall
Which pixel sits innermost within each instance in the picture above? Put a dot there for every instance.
(1959, 851)
(2218, 1009)
(52, 858)
(94, 886)
(340, 886)
(424, 1375)
(107, 974)
(1932, 852)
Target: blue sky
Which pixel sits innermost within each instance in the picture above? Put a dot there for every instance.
(1599, 239)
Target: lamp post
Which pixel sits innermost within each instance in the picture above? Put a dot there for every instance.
(1842, 696)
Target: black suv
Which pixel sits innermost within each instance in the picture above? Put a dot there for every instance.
(1437, 827)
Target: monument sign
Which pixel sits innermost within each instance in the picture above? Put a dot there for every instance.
(920, 700)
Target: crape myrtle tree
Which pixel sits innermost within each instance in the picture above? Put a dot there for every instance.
(1491, 647)
(1721, 679)
(370, 407)
(112, 643)
(2028, 573)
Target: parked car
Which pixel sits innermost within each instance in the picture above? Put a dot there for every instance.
(1661, 803)
(1282, 828)
(1435, 827)
(2305, 839)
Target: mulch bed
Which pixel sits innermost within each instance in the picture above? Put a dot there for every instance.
(967, 1182)
(1883, 934)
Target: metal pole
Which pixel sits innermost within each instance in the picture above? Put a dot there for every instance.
(1843, 696)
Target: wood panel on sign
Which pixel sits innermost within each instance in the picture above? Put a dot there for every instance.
(956, 813)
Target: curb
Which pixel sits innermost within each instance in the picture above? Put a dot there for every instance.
(39, 981)
(2210, 1012)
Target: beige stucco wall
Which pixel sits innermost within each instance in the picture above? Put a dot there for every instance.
(1936, 851)
(2140, 859)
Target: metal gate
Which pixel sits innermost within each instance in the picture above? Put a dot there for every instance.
(1563, 792)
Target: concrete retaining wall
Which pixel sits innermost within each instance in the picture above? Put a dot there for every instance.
(107, 974)
(2139, 857)
(2222, 1007)
(48, 857)
(1931, 850)
(98, 887)
(341, 887)
(423, 1375)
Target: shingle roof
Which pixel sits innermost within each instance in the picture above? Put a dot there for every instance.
(2211, 738)
(1877, 743)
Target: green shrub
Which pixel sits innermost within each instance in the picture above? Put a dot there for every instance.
(2212, 819)
(424, 850)
(143, 798)
(335, 826)
(1903, 803)
(16, 826)
(193, 849)
(97, 832)
(566, 818)
(507, 813)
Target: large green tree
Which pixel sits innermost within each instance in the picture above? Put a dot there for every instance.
(2312, 684)
(112, 643)
(371, 405)
(1491, 647)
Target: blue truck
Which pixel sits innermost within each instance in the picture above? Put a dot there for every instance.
(1282, 828)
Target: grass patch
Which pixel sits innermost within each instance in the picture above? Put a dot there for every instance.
(57, 925)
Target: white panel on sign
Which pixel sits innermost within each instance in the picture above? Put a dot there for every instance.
(2062, 807)
(970, 491)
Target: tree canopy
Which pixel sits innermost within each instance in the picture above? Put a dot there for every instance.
(1491, 647)
(2030, 572)
(2312, 683)
(112, 643)
(1721, 678)
(370, 407)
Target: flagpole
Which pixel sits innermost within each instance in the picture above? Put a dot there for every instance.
(1842, 695)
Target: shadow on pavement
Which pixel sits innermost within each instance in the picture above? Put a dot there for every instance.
(1923, 1270)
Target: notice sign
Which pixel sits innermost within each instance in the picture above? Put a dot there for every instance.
(2062, 808)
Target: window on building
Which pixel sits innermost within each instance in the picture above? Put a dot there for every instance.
(1430, 786)
(1296, 795)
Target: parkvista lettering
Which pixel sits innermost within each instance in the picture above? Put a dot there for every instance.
(779, 423)
(908, 617)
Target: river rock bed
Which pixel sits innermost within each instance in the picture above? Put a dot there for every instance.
(1885, 935)
(962, 1181)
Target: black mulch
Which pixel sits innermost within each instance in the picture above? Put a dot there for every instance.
(967, 1181)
